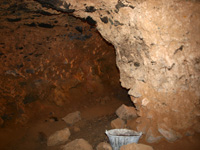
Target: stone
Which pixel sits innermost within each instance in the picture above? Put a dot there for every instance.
(59, 137)
(152, 136)
(124, 112)
(167, 133)
(103, 146)
(117, 123)
(72, 118)
(134, 146)
(78, 144)
(142, 127)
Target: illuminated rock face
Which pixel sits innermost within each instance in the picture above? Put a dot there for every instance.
(51, 58)
(157, 53)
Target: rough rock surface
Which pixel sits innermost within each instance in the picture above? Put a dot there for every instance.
(168, 133)
(103, 146)
(152, 135)
(47, 58)
(157, 49)
(59, 137)
(135, 146)
(72, 118)
(78, 144)
(117, 123)
(126, 112)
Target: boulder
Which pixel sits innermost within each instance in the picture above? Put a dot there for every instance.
(103, 146)
(72, 118)
(117, 123)
(126, 112)
(134, 146)
(168, 133)
(78, 144)
(59, 137)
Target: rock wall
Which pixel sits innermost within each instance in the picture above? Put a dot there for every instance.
(158, 55)
(48, 57)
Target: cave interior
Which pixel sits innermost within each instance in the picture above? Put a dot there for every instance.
(54, 63)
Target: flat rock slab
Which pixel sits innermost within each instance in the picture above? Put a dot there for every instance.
(72, 118)
(59, 137)
(134, 146)
(168, 133)
(125, 112)
(152, 136)
(118, 123)
(103, 146)
(78, 144)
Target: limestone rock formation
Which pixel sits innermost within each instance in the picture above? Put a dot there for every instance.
(157, 53)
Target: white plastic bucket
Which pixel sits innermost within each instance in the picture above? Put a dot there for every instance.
(119, 137)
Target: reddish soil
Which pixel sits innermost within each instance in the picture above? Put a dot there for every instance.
(96, 118)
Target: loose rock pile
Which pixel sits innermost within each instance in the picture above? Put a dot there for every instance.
(129, 114)
(62, 137)
(124, 114)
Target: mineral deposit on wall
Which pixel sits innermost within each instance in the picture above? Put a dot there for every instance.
(157, 53)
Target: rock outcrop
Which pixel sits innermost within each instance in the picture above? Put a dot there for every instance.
(157, 53)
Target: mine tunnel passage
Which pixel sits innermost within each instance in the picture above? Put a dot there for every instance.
(52, 65)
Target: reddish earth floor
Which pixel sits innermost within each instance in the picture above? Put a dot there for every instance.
(96, 118)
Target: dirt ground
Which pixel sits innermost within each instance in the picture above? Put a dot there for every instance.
(96, 118)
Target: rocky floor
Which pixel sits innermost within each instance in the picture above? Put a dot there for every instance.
(95, 120)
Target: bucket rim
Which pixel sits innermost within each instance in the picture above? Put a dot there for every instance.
(136, 134)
